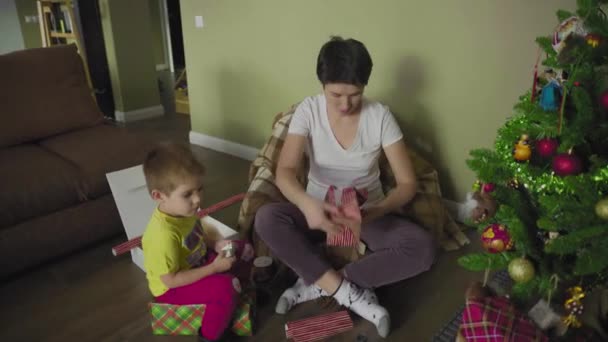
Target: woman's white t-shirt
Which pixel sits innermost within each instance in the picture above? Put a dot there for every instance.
(330, 163)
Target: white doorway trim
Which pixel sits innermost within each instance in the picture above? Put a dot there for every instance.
(164, 21)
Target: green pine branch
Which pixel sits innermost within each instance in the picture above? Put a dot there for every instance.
(478, 262)
(575, 240)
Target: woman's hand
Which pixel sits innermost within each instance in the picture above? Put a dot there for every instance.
(318, 213)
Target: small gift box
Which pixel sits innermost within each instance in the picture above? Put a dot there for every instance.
(494, 319)
(345, 247)
(244, 314)
(349, 205)
(168, 319)
(319, 327)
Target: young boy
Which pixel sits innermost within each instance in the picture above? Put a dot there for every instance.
(179, 268)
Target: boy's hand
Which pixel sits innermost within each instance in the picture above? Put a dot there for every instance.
(221, 244)
(222, 264)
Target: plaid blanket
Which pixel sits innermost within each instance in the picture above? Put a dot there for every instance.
(427, 208)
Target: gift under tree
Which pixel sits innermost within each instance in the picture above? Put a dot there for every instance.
(548, 172)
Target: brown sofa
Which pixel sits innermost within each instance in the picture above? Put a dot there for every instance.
(55, 149)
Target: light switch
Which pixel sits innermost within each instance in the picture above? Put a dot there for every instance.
(198, 21)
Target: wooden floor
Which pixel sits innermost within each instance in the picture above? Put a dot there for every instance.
(93, 296)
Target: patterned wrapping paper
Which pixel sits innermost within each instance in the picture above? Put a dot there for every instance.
(350, 206)
(494, 319)
(168, 319)
(319, 327)
(244, 315)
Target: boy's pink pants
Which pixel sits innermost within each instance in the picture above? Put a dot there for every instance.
(219, 292)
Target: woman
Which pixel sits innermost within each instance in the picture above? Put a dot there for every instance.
(343, 135)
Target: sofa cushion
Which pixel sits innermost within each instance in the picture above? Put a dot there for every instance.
(99, 150)
(34, 241)
(35, 182)
(45, 93)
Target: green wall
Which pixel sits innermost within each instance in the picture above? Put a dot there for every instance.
(11, 38)
(157, 31)
(450, 70)
(31, 30)
(129, 48)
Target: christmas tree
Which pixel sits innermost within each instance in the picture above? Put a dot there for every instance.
(548, 170)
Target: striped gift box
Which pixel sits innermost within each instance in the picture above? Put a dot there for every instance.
(350, 207)
(319, 327)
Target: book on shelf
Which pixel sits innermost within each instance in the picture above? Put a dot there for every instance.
(67, 19)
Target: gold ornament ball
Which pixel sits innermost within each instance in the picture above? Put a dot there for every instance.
(521, 270)
(522, 153)
(601, 209)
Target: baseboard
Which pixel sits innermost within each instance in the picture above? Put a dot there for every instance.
(225, 146)
(139, 114)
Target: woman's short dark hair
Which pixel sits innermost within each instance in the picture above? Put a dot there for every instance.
(344, 61)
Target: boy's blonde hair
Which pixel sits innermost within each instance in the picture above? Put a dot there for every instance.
(168, 165)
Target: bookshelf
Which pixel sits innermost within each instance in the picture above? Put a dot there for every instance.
(58, 26)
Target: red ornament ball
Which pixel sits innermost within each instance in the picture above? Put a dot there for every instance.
(604, 100)
(577, 84)
(565, 164)
(489, 187)
(496, 238)
(546, 147)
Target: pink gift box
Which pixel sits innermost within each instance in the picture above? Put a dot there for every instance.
(494, 319)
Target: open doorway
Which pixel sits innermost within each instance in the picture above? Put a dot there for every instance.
(174, 19)
(174, 85)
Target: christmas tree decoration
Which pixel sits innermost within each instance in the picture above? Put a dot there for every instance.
(489, 187)
(604, 100)
(476, 186)
(566, 164)
(574, 306)
(479, 207)
(496, 239)
(513, 184)
(521, 270)
(522, 151)
(546, 147)
(550, 96)
(593, 39)
(572, 26)
(601, 209)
